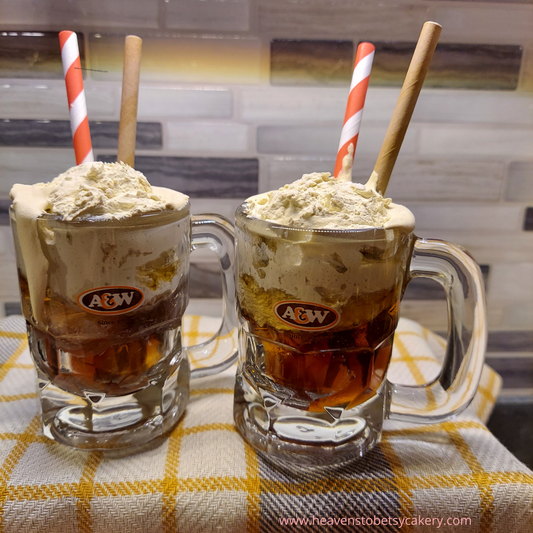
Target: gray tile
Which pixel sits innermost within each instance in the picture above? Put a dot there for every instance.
(510, 341)
(424, 289)
(12, 308)
(4, 212)
(519, 186)
(310, 62)
(528, 219)
(493, 1)
(459, 66)
(205, 281)
(429, 289)
(510, 423)
(517, 372)
(33, 54)
(200, 177)
(57, 134)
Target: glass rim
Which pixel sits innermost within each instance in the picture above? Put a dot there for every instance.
(137, 220)
(240, 214)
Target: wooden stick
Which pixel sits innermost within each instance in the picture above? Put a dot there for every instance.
(130, 95)
(405, 106)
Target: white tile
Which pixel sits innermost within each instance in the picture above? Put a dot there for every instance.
(367, 21)
(498, 107)
(32, 165)
(7, 247)
(433, 314)
(489, 247)
(519, 186)
(225, 207)
(483, 23)
(283, 170)
(413, 179)
(467, 217)
(100, 13)
(48, 100)
(293, 104)
(322, 139)
(184, 103)
(476, 141)
(9, 284)
(210, 15)
(511, 282)
(518, 315)
(203, 137)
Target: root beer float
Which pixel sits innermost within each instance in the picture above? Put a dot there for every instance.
(324, 302)
(101, 273)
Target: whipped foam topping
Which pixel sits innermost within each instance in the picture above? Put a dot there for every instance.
(103, 190)
(319, 200)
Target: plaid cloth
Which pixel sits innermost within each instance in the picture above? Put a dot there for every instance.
(205, 478)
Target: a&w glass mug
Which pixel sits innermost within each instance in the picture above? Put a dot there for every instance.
(317, 312)
(104, 319)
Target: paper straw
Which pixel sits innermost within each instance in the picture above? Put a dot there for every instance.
(401, 116)
(356, 101)
(130, 95)
(79, 123)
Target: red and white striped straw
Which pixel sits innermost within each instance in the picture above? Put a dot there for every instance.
(79, 123)
(356, 101)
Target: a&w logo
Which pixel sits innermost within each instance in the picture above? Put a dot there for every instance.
(110, 300)
(306, 315)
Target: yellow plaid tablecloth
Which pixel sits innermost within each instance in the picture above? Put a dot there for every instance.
(204, 478)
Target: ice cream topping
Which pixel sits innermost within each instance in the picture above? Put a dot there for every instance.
(319, 200)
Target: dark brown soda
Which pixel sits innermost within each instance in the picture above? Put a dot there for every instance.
(343, 367)
(113, 355)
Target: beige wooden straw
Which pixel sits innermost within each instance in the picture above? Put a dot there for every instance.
(405, 106)
(130, 95)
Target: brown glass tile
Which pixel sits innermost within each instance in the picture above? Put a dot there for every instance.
(458, 66)
(33, 54)
(310, 62)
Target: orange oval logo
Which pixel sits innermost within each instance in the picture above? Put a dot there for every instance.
(306, 315)
(110, 300)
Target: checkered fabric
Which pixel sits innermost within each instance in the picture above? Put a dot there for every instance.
(204, 478)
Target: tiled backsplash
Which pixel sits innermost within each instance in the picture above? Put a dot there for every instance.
(241, 96)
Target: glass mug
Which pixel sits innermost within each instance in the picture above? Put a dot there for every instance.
(104, 317)
(317, 312)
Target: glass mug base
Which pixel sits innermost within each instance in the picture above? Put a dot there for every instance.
(286, 425)
(87, 418)
(295, 435)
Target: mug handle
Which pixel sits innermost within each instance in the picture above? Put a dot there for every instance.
(217, 233)
(454, 388)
